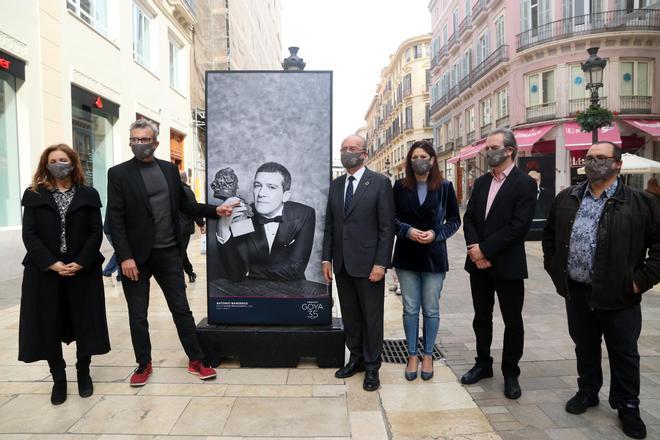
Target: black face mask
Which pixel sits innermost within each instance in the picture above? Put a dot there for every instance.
(142, 151)
(598, 172)
(421, 166)
(351, 160)
(496, 157)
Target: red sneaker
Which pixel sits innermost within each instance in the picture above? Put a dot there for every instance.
(199, 369)
(141, 375)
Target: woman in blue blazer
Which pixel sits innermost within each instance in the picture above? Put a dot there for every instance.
(427, 214)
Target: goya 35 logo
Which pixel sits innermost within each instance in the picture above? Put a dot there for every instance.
(312, 309)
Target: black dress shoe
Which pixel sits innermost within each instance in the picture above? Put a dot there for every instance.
(475, 374)
(580, 402)
(371, 381)
(511, 387)
(633, 425)
(85, 385)
(349, 370)
(192, 277)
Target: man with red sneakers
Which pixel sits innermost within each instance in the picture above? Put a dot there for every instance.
(145, 196)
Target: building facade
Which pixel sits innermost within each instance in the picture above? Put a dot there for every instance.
(81, 71)
(516, 64)
(398, 114)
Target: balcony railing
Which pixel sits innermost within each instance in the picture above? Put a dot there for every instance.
(498, 56)
(478, 7)
(407, 92)
(470, 137)
(451, 41)
(486, 128)
(635, 104)
(502, 122)
(408, 125)
(458, 142)
(610, 21)
(465, 25)
(581, 104)
(541, 112)
(449, 146)
(426, 123)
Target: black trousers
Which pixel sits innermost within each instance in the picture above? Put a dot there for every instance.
(187, 265)
(510, 295)
(165, 266)
(362, 306)
(621, 329)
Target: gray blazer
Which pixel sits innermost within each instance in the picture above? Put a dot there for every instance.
(363, 237)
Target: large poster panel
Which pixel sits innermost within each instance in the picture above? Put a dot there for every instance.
(269, 151)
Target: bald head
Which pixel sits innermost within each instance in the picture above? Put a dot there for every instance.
(356, 141)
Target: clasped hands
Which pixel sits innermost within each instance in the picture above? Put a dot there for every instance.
(65, 270)
(477, 257)
(424, 237)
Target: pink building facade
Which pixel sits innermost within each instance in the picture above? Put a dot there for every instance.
(516, 64)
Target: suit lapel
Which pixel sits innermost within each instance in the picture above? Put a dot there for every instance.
(338, 196)
(363, 186)
(138, 183)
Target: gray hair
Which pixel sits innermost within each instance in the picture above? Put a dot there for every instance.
(509, 139)
(145, 123)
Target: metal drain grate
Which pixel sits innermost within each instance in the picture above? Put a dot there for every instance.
(395, 351)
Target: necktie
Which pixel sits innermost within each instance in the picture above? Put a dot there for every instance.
(349, 194)
(263, 220)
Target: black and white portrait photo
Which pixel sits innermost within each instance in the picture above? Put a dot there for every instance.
(268, 156)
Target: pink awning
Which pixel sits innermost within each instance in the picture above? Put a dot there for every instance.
(651, 127)
(527, 137)
(468, 152)
(576, 139)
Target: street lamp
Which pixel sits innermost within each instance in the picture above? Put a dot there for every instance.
(594, 67)
(293, 62)
(387, 167)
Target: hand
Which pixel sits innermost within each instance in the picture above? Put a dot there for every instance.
(427, 237)
(129, 269)
(475, 253)
(327, 271)
(58, 267)
(636, 288)
(71, 269)
(239, 211)
(415, 234)
(226, 210)
(483, 264)
(377, 273)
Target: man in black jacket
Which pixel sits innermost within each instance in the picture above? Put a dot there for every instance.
(145, 195)
(497, 218)
(595, 246)
(357, 244)
(188, 228)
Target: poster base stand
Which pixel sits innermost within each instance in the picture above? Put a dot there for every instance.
(273, 346)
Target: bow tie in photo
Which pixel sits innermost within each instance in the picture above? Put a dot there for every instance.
(263, 220)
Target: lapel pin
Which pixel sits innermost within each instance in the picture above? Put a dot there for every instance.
(366, 183)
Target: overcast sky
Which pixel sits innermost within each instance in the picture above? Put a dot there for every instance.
(354, 39)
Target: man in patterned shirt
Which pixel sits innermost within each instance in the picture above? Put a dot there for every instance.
(601, 247)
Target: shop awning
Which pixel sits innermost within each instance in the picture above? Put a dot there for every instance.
(527, 137)
(651, 127)
(468, 152)
(576, 139)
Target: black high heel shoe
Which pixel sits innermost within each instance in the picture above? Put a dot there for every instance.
(411, 375)
(427, 375)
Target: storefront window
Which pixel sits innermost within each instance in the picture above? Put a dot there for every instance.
(92, 140)
(10, 193)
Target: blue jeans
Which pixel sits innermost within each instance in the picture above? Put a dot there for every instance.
(421, 289)
(112, 265)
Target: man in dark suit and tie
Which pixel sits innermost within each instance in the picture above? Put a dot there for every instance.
(145, 196)
(281, 244)
(359, 232)
(497, 218)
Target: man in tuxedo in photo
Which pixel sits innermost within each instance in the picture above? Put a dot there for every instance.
(281, 244)
(497, 218)
(359, 233)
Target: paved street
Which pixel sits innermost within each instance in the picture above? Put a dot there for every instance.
(308, 402)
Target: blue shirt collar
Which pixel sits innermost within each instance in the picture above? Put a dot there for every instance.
(609, 192)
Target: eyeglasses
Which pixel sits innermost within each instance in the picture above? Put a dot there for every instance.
(598, 160)
(352, 150)
(140, 140)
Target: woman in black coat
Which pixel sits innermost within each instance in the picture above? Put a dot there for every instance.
(426, 214)
(62, 297)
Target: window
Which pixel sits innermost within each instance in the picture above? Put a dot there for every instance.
(408, 54)
(499, 31)
(484, 110)
(468, 8)
(502, 103)
(10, 192)
(427, 115)
(467, 62)
(92, 12)
(142, 38)
(177, 67)
(454, 19)
(541, 88)
(428, 80)
(534, 13)
(418, 51)
(444, 35)
(407, 84)
(483, 48)
(469, 119)
(409, 117)
(634, 78)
